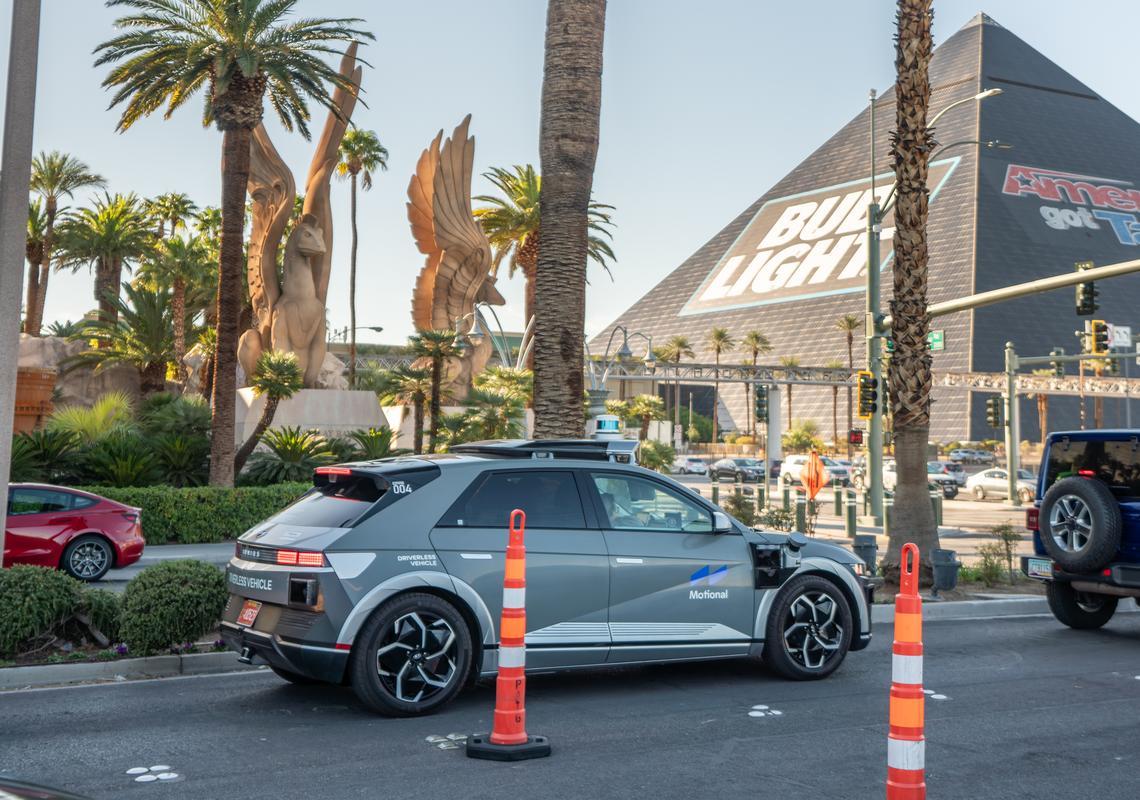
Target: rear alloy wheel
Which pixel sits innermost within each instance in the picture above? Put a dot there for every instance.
(809, 629)
(1025, 496)
(87, 558)
(979, 493)
(1080, 610)
(412, 656)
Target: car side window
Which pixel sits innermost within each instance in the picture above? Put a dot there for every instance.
(37, 501)
(550, 499)
(634, 503)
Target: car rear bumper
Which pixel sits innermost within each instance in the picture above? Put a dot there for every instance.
(1119, 579)
(127, 553)
(276, 638)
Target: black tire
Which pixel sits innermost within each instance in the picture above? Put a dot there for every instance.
(979, 493)
(1080, 524)
(857, 481)
(1025, 496)
(1083, 611)
(825, 625)
(295, 678)
(387, 628)
(87, 557)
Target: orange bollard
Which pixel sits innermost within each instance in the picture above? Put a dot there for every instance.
(906, 745)
(508, 740)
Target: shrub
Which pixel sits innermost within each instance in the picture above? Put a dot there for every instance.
(164, 413)
(992, 565)
(103, 608)
(121, 458)
(656, 455)
(776, 518)
(171, 603)
(803, 437)
(741, 507)
(111, 413)
(293, 454)
(182, 459)
(745, 438)
(376, 443)
(1008, 538)
(24, 465)
(731, 438)
(55, 453)
(203, 513)
(36, 601)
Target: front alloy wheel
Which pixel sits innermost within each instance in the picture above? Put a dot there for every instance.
(412, 656)
(809, 629)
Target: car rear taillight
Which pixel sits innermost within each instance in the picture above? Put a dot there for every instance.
(300, 559)
(1032, 515)
(131, 516)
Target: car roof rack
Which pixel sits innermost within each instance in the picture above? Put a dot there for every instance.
(620, 451)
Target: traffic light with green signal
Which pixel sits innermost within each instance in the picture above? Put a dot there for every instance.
(868, 394)
(1058, 366)
(761, 404)
(1098, 337)
(1086, 293)
(993, 412)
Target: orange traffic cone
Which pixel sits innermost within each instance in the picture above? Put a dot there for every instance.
(508, 740)
(906, 745)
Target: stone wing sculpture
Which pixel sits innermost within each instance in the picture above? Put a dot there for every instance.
(456, 273)
(289, 314)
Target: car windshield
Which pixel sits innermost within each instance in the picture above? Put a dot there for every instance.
(933, 466)
(746, 462)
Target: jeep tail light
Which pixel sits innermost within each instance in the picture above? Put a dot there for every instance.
(300, 559)
(1032, 517)
(1086, 473)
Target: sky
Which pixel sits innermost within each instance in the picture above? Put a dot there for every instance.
(704, 106)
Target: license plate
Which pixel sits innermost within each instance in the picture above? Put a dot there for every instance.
(1039, 568)
(248, 612)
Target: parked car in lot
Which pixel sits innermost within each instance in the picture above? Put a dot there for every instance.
(995, 483)
(739, 469)
(388, 575)
(690, 465)
(935, 479)
(964, 455)
(1086, 524)
(794, 466)
(953, 469)
(81, 533)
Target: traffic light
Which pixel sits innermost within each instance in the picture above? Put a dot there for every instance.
(1086, 293)
(993, 412)
(761, 404)
(1098, 337)
(1058, 366)
(868, 394)
(1113, 366)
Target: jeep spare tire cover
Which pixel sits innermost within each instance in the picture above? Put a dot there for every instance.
(1080, 524)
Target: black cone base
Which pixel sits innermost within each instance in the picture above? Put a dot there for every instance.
(480, 746)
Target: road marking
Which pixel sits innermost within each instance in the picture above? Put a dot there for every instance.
(764, 711)
(159, 772)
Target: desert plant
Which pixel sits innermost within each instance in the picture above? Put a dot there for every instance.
(493, 416)
(342, 448)
(803, 437)
(109, 414)
(277, 376)
(24, 465)
(171, 603)
(506, 381)
(741, 507)
(182, 460)
(66, 329)
(656, 456)
(292, 455)
(36, 602)
(53, 453)
(166, 413)
(123, 458)
(1009, 538)
(776, 518)
(992, 563)
(376, 443)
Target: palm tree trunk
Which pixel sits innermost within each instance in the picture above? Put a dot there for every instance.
(352, 295)
(644, 428)
(789, 424)
(235, 178)
(418, 425)
(835, 416)
(909, 376)
(152, 378)
(716, 399)
(263, 423)
(436, 382)
(35, 311)
(1043, 415)
(568, 147)
(103, 273)
(31, 299)
(178, 310)
(850, 366)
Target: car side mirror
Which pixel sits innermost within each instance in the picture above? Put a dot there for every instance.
(721, 522)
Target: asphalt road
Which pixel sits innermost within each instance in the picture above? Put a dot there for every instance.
(1031, 710)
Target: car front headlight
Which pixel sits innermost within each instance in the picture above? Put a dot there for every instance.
(859, 568)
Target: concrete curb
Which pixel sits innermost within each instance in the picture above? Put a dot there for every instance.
(976, 609)
(120, 670)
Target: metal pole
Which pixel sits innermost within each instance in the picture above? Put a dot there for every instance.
(1081, 389)
(1012, 441)
(1127, 399)
(15, 174)
(875, 434)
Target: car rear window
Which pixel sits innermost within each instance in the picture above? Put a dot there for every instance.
(332, 505)
(1116, 463)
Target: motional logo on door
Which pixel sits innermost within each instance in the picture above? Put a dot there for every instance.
(804, 245)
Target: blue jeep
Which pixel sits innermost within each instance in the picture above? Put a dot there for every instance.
(1086, 524)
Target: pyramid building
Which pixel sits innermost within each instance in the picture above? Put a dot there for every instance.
(792, 263)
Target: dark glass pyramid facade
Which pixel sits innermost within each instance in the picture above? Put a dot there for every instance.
(792, 263)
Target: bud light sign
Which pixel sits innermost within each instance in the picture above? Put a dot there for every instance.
(804, 245)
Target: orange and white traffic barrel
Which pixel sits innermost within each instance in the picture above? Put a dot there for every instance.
(508, 740)
(906, 744)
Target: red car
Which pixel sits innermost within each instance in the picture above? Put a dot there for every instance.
(83, 534)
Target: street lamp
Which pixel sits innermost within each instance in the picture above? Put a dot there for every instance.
(597, 391)
(874, 319)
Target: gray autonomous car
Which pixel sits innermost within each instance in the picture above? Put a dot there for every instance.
(388, 575)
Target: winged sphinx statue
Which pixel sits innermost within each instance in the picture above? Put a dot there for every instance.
(289, 312)
(456, 272)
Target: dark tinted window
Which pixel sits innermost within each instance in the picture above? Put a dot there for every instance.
(549, 498)
(335, 505)
(38, 501)
(1116, 463)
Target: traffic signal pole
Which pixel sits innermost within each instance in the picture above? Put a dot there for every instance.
(1012, 425)
(873, 327)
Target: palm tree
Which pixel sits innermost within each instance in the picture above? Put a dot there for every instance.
(139, 335)
(512, 225)
(789, 362)
(492, 415)
(239, 51)
(407, 386)
(507, 382)
(34, 255)
(361, 154)
(755, 343)
(178, 264)
(909, 377)
(174, 208)
(568, 147)
(111, 235)
(278, 377)
(1043, 406)
(55, 175)
(721, 342)
(435, 346)
(849, 323)
(646, 408)
(676, 350)
(835, 406)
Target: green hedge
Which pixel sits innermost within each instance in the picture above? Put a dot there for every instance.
(202, 513)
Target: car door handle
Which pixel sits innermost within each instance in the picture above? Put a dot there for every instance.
(630, 560)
